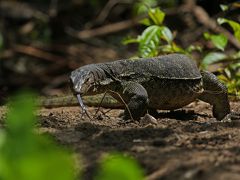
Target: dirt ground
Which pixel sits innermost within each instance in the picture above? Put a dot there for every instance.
(185, 144)
(180, 145)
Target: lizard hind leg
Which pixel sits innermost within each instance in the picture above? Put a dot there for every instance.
(215, 93)
(137, 100)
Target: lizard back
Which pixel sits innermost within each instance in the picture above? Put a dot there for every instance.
(173, 66)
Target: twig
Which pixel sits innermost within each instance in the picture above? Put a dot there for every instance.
(32, 51)
(105, 11)
(99, 105)
(207, 21)
(21, 10)
(166, 169)
(107, 29)
(203, 18)
(125, 104)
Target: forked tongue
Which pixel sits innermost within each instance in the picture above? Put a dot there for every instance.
(84, 109)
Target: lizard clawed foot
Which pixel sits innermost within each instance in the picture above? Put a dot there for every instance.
(87, 113)
(126, 119)
(232, 117)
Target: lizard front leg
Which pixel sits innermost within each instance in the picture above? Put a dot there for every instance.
(136, 98)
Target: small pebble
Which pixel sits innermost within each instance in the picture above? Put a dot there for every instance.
(148, 119)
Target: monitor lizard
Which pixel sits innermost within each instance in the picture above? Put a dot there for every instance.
(166, 82)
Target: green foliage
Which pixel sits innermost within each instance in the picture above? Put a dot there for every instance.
(118, 167)
(141, 6)
(234, 25)
(224, 7)
(156, 38)
(219, 40)
(211, 58)
(148, 41)
(24, 154)
(230, 75)
(156, 15)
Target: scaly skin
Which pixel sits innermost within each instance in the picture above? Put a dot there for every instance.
(165, 82)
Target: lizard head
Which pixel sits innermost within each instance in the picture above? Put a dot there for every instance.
(82, 81)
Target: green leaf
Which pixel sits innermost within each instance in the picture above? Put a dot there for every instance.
(194, 48)
(2, 137)
(224, 7)
(21, 118)
(235, 66)
(235, 26)
(149, 41)
(236, 55)
(119, 167)
(176, 48)
(25, 155)
(219, 41)
(212, 57)
(142, 6)
(206, 35)
(156, 15)
(145, 22)
(228, 73)
(129, 41)
(167, 34)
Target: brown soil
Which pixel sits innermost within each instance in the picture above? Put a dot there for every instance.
(184, 144)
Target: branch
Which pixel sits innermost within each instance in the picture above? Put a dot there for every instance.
(107, 29)
(210, 23)
(32, 51)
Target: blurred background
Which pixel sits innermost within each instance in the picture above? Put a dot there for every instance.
(42, 41)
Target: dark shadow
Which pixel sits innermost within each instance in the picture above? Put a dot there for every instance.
(181, 114)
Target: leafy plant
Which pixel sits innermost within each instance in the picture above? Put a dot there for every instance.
(156, 38)
(234, 25)
(211, 58)
(24, 154)
(230, 75)
(116, 166)
(141, 6)
(218, 40)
